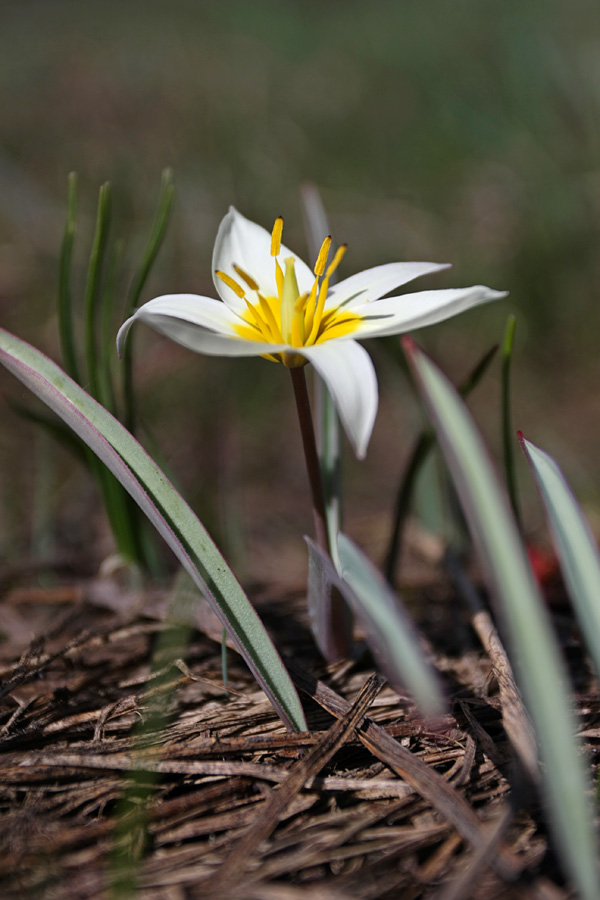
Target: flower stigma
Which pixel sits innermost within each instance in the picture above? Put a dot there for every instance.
(293, 318)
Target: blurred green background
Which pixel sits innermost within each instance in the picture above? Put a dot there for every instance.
(464, 132)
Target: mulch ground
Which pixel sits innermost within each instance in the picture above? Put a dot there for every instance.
(128, 770)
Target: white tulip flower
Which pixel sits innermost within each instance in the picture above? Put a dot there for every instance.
(272, 305)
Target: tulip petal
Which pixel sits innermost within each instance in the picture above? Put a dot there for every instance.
(348, 372)
(209, 342)
(248, 245)
(194, 308)
(199, 323)
(377, 282)
(395, 315)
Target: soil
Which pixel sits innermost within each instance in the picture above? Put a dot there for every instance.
(127, 768)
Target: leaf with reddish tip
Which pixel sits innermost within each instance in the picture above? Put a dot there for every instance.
(574, 542)
(539, 666)
(167, 511)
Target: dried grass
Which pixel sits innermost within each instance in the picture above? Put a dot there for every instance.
(126, 772)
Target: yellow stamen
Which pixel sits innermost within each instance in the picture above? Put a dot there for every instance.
(270, 319)
(228, 280)
(322, 257)
(339, 255)
(245, 277)
(310, 307)
(301, 303)
(314, 331)
(297, 338)
(340, 327)
(259, 322)
(276, 236)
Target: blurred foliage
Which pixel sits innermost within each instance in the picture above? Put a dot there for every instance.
(466, 132)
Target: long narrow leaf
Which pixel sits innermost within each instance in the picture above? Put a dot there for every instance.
(539, 666)
(106, 388)
(159, 228)
(93, 286)
(166, 509)
(574, 542)
(421, 450)
(65, 301)
(390, 632)
(508, 437)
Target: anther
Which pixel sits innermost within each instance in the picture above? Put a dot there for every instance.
(322, 257)
(226, 279)
(245, 277)
(276, 236)
(339, 255)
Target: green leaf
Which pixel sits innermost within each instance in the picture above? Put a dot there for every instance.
(166, 509)
(157, 235)
(390, 631)
(539, 666)
(421, 450)
(65, 301)
(507, 429)
(93, 289)
(574, 542)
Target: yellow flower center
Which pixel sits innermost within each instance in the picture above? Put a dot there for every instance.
(299, 320)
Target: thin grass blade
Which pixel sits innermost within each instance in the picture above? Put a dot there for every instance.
(390, 631)
(65, 301)
(421, 450)
(539, 666)
(93, 288)
(166, 509)
(574, 542)
(106, 388)
(157, 235)
(508, 344)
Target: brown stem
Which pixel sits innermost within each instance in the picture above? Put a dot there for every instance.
(334, 629)
(310, 453)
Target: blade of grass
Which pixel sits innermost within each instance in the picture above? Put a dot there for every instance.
(92, 289)
(507, 429)
(391, 634)
(64, 300)
(168, 512)
(116, 502)
(159, 227)
(106, 392)
(421, 450)
(575, 544)
(540, 669)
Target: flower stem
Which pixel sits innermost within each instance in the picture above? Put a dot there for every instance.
(334, 633)
(312, 460)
